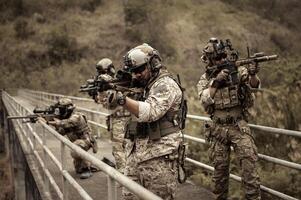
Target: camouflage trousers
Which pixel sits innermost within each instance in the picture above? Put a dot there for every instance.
(240, 138)
(159, 175)
(118, 131)
(79, 163)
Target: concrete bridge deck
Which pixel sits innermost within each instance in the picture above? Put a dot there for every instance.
(96, 186)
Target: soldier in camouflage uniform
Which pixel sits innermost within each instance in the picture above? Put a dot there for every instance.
(154, 130)
(119, 116)
(228, 104)
(105, 66)
(74, 126)
(105, 71)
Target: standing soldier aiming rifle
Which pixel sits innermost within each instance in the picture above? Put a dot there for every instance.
(225, 93)
(154, 131)
(119, 117)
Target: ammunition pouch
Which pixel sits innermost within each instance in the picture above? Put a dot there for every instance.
(227, 121)
(227, 97)
(120, 114)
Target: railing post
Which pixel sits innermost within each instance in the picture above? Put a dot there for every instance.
(111, 189)
(45, 159)
(64, 180)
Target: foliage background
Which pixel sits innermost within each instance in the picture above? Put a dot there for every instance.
(54, 45)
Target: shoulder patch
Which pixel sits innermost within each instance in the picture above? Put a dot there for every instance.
(160, 89)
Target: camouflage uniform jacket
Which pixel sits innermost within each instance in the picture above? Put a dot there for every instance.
(75, 127)
(164, 95)
(208, 102)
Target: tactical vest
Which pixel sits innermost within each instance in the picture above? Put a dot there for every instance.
(166, 125)
(79, 130)
(231, 103)
(226, 97)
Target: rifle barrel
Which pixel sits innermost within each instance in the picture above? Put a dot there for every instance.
(31, 116)
(256, 59)
(88, 89)
(22, 117)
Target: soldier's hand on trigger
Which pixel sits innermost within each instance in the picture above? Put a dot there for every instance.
(253, 68)
(115, 98)
(221, 78)
(222, 75)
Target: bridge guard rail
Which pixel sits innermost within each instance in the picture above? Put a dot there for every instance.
(29, 132)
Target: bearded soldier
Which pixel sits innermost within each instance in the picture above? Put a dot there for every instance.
(119, 116)
(225, 94)
(74, 126)
(154, 130)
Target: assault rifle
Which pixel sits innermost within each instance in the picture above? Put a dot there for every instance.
(48, 114)
(122, 82)
(232, 66)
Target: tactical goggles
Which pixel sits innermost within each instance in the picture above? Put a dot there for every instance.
(139, 69)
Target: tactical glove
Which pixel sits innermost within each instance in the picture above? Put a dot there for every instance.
(115, 98)
(221, 78)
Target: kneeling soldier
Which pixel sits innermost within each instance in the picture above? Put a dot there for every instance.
(74, 125)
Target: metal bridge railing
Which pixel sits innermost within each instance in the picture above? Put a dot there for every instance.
(35, 134)
(267, 129)
(292, 165)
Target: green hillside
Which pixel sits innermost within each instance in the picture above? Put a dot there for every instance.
(54, 46)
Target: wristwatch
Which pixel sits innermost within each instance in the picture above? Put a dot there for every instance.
(121, 100)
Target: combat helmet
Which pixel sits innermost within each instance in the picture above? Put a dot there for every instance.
(214, 50)
(66, 107)
(218, 49)
(105, 65)
(142, 55)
